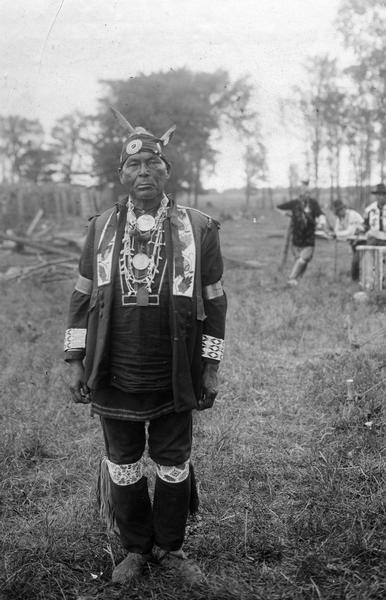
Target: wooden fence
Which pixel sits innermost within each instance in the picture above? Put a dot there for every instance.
(20, 203)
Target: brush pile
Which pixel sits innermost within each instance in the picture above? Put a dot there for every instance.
(44, 251)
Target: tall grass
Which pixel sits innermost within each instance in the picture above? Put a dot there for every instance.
(290, 469)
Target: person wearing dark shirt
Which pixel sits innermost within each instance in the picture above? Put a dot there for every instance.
(144, 340)
(305, 212)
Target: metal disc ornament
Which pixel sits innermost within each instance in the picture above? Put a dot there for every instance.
(145, 223)
(134, 146)
(140, 261)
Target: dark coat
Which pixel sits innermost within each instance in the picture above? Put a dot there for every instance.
(190, 317)
(304, 211)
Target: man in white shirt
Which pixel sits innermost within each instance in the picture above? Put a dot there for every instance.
(349, 224)
(375, 217)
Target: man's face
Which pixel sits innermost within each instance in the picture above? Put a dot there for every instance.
(144, 174)
(381, 200)
(341, 212)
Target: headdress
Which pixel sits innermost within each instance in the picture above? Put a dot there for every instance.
(380, 189)
(139, 139)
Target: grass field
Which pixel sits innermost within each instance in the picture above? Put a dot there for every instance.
(290, 469)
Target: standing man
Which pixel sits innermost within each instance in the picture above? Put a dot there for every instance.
(348, 225)
(375, 217)
(305, 212)
(145, 338)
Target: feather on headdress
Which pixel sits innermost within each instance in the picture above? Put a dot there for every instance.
(140, 139)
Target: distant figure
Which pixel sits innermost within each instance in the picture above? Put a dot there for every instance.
(375, 217)
(305, 213)
(348, 226)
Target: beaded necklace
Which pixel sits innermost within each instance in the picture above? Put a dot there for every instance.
(141, 254)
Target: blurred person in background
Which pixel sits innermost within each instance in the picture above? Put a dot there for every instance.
(349, 226)
(306, 214)
(145, 338)
(375, 217)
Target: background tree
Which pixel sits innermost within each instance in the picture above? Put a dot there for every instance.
(37, 165)
(293, 179)
(313, 101)
(361, 137)
(198, 103)
(363, 29)
(255, 165)
(18, 136)
(71, 142)
(341, 107)
(334, 117)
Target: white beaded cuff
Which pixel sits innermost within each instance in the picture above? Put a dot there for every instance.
(125, 474)
(212, 347)
(75, 339)
(84, 285)
(173, 474)
(215, 290)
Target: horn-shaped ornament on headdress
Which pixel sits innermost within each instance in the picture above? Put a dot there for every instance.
(122, 120)
(167, 136)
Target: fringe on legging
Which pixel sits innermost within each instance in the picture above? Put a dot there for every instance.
(103, 492)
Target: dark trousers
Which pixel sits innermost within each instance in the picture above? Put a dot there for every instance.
(355, 261)
(140, 524)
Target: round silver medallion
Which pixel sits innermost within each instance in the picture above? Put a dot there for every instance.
(145, 223)
(134, 146)
(140, 261)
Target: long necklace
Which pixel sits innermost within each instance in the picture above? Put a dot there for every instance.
(141, 253)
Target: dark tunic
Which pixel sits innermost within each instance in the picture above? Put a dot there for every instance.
(140, 354)
(304, 211)
(140, 346)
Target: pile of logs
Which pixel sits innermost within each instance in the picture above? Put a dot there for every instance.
(52, 255)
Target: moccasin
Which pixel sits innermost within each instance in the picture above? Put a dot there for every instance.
(130, 568)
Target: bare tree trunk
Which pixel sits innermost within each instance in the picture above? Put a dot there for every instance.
(20, 204)
(337, 170)
(331, 190)
(197, 181)
(247, 196)
(382, 152)
(315, 156)
(331, 169)
(368, 155)
(316, 153)
(64, 202)
(270, 196)
(58, 208)
(263, 197)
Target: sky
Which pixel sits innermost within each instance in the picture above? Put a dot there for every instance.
(53, 54)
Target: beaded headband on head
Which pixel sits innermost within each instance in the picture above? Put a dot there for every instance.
(139, 139)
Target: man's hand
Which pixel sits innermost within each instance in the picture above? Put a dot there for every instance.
(209, 386)
(79, 390)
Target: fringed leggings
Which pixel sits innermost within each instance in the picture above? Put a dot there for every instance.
(140, 523)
